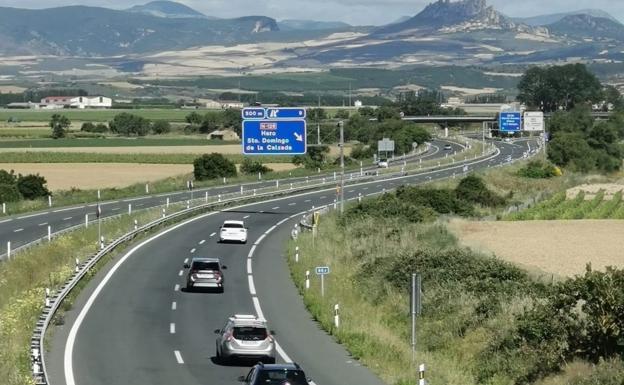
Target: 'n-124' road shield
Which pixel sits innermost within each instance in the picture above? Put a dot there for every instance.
(274, 137)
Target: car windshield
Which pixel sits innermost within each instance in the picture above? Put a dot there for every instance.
(250, 333)
(233, 226)
(205, 266)
(294, 377)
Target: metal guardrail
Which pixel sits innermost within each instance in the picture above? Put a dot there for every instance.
(53, 302)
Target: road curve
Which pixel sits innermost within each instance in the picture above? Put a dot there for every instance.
(134, 325)
(24, 228)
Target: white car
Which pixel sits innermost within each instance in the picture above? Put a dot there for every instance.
(233, 231)
(382, 164)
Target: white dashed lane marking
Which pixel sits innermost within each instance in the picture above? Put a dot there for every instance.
(172, 328)
(176, 287)
(181, 273)
(68, 218)
(18, 230)
(202, 241)
(213, 234)
(178, 357)
(192, 250)
(174, 305)
(43, 224)
(246, 216)
(276, 207)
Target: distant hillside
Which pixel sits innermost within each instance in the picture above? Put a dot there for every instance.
(465, 15)
(310, 25)
(94, 31)
(543, 20)
(166, 9)
(586, 26)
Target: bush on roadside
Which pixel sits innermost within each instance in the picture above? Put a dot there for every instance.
(96, 128)
(212, 166)
(32, 186)
(250, 167)
(127, 124)
(360, 151)
(8, 177)
(9, 193)
(473, 189)
(538, 169)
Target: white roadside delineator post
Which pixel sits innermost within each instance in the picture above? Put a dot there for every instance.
(47, 297)
(50, 200)
(167, 202)
(129, 208)
(136, 224)
(49, 233)
(4, 208)
(147, 188)
(86, 221)
(77, 265)
(421, 375)
(241, 189)
(296, 253)
(9, 250)
(164, 213)
(206, 197)
(102, 243)
(188, 204)
(336, 315)
(307, 281)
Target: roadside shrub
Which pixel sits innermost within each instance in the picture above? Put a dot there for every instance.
(473, 189)
(387, 206)
(211, 166)
(32, 186)
(538, 169)
(161, 127)
(87, 126)
(9, 193)
(359, 151)
(253, 167)
(443, 201)
(96, 128)
(127, 124)
(8, 177)
(609, 372)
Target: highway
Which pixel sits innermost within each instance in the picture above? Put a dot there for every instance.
(24, 228)
(133, 323)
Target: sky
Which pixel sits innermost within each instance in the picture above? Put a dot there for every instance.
(355, 12)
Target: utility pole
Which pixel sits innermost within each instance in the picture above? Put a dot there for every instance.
(350, 95)
(341, 125)
(318, 123)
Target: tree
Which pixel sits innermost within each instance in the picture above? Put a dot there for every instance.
(193, 118)
(32, 186)
(8, 177)
(161, 127)
(342, 114)
(210, 122)
(316, 157)
(128, 124)
(90, 127)
(232, 119)
(59, 124)
(473, 189)
(9, 193)
(387, 113)
(211, 166)
(368, 112)
(559, 87)
(317, 114)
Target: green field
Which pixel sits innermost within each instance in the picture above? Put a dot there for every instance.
(172, 115)
(558, 207)
(110, 142)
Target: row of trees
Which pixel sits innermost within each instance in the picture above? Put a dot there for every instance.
(125, 124)
(14, 188)
(214, 120)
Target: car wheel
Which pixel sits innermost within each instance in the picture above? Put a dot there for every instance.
(189, 288)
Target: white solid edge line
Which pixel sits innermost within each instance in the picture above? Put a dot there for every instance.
(256, 243)
(178, 357)
(251, 251)
(67, 209)
(282, 353)
(6, 220)
(32, 215)
(256, 304)
(252, 287)
(71, 339)
(249, 271)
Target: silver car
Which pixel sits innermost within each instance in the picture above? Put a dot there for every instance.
(245, 337)
(205, 273)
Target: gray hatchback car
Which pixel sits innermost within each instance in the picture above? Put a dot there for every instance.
(245, 337)
(205, 273)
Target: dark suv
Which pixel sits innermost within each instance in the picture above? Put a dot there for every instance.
(205, 273)
(275, 374)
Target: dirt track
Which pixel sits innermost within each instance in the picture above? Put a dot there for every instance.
(556, 247)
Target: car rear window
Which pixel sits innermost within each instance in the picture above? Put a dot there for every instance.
(233, 226)
(294, 377)
(249, 333)
(205, 266)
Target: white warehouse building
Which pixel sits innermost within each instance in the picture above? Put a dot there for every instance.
(76, 102)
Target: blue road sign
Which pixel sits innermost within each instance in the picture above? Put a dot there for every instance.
(285, 113)
(254, 113)
(274, 137)
(322, 270)
(509, 121)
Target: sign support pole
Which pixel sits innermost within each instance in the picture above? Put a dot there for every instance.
(341, 124)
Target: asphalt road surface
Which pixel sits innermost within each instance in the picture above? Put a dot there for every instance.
(24, 228)
(134, 324)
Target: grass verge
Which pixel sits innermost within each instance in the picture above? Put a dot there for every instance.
(23, 281)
